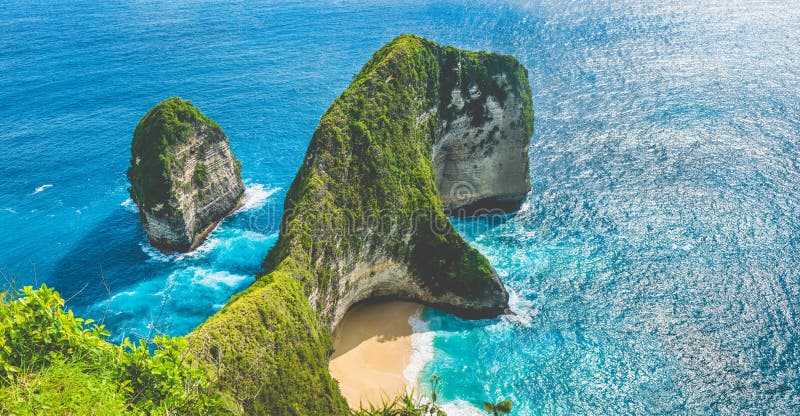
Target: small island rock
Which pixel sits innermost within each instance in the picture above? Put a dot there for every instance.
(184, 177)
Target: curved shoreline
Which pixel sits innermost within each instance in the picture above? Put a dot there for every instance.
(377, 351)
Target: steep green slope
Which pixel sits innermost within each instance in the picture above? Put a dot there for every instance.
(269, 353)
(363, 219)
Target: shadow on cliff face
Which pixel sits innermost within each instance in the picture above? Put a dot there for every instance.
(384, 321)
(381, 320)
(111, 248)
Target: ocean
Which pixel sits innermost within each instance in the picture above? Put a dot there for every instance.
(654, 269)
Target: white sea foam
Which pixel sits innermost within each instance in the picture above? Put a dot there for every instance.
(255, 196)
(129, 205)
(521, 307)
(173, 280)
(422, 348)
(525, 207)
(210, 243)
(155, 254)
(42, 188)
(214, 279)
(461, 408)
(219, 239)
(117, 295)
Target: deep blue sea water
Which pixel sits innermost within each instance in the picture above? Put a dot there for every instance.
(655, 268)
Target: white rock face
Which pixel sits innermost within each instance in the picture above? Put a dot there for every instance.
(483, 167)
(385, 278)
(205, 185)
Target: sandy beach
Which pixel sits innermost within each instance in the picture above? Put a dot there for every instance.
(372, 348)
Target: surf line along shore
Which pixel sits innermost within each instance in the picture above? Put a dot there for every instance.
(373, 350)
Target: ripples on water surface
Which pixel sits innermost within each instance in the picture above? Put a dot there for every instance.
(654, 268)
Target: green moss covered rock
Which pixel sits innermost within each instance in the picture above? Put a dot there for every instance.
(184, 177)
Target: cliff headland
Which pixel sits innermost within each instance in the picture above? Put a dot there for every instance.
(422, 131)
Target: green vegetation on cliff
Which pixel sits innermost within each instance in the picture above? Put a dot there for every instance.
(268, 352)
(370, 157)
(368, 160)
(52, 363)
(166, 125)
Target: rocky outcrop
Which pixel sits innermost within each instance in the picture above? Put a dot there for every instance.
(480, 153)
(365, 219)
(423, 131)
(184, 177)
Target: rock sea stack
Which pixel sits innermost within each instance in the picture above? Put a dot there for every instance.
(423, 131)
(184, 177)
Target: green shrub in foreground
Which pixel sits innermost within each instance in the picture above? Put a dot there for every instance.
(54, 363)
(406, 404)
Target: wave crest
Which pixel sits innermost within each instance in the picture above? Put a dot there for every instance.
(255, 196)
(422, 346)
(42, 188)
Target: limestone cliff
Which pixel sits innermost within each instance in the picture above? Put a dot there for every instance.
(422, 130)
(365, 219)
(184, 177)
(485, 122)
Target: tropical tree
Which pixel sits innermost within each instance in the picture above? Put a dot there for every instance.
(501, 408)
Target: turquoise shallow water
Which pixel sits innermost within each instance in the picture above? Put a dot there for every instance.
(653, 270)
